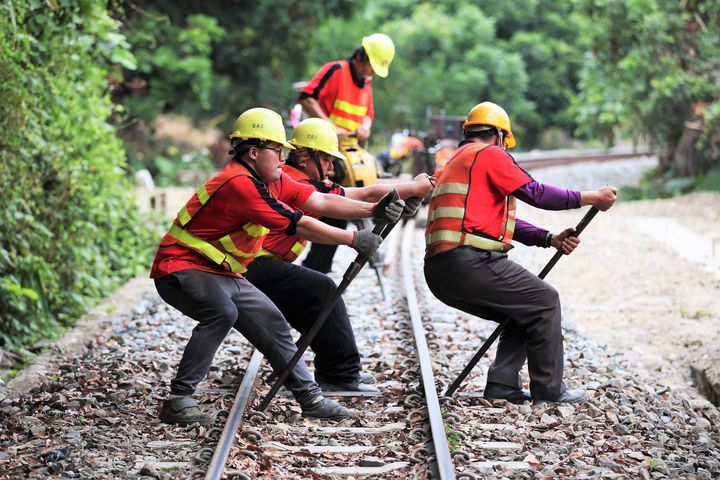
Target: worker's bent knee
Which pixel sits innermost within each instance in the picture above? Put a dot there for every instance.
(223, 316)
(548, 299)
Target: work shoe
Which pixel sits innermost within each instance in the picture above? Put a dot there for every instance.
(568, 396)
(367, 378)
(344, 386)
(326, 409)
(184, 411)
(498, 391)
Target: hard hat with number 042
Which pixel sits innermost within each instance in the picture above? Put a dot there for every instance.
(260, 123)
(380, 50)
(317, 134)
(488, 113)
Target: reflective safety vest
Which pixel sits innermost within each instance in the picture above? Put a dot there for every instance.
(446, 214)
(291, 255)
(233, 251)
(351, 103)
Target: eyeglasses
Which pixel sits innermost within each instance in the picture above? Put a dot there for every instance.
(278, 150)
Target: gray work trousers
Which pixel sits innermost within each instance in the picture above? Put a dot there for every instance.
(489, 285)
(219, 303)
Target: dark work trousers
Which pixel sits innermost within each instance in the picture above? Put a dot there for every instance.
(300, 293)
(219, 303)
(320, 256)
(489, 285)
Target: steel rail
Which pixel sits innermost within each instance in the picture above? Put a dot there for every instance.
(496, 333)
(442, 450)
(234, 420)
(531, 163)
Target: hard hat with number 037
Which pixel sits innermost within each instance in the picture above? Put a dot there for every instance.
(262, 124)
(488, 113)
(317, 134)
(380, 50)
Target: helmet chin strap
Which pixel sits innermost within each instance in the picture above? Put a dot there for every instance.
(501, 136)
(316, 159)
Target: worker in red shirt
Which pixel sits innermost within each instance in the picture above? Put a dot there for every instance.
(471, 223)
(200, 262)
(299, 292)
(341, 92)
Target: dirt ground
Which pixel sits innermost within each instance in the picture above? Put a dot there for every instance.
(638, 283)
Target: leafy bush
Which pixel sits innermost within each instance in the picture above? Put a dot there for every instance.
(69, 229)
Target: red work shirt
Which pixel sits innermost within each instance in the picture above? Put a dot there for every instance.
(493, 176)
(241, 200)
(278, 242)
(325, 86)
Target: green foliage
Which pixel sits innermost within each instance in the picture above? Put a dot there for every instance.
(212, 60)
(69, 231)
(175, 70)
(452, 55)
(652, 65)
(709, 181)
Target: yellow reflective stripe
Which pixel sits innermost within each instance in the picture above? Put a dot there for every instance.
(265, 253)
(352, 109)
(202, 194)
(255, 230)
(298, 248)
(510, 226)
(206, 248)
(344, 122)
(230, 247)
(470, 240)
(458, 188)
(442, 236)
(485, 243)
(447, 212)
(184, 216)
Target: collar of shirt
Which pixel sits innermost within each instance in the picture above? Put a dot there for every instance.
(359, 81)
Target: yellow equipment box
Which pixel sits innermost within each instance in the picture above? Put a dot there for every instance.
(361, 167)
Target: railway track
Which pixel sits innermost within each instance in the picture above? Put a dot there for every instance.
(547, 159)
(405, 431)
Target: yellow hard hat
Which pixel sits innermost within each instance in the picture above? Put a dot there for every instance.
(380, 50)
(260, 123)
(488, 113)
(317, 134)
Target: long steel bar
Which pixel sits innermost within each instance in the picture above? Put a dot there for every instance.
(437, 427)
(491, 339)
(304, 342)
(217, 463)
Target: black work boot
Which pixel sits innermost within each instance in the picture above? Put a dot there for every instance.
(184, 411)
(498, 391)
(325, 409)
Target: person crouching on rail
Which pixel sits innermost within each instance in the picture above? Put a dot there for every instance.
(471, 222)
(200, 262)
(300, 292)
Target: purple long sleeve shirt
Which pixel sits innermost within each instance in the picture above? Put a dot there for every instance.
(547, 197)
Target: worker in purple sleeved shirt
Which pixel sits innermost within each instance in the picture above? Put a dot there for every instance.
(471, 224)
(547, 197)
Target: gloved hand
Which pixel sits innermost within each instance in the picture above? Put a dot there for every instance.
(366, 242)
(389, 208)
(412, 205)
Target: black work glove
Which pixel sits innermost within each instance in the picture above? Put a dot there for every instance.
(412, 205)
(366, 242)
(389, 208)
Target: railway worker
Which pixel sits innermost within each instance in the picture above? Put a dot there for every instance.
(200, 262)
(471, 222)
(341, 92)
(300, 292)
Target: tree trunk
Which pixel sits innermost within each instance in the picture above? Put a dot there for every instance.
(684, 155)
